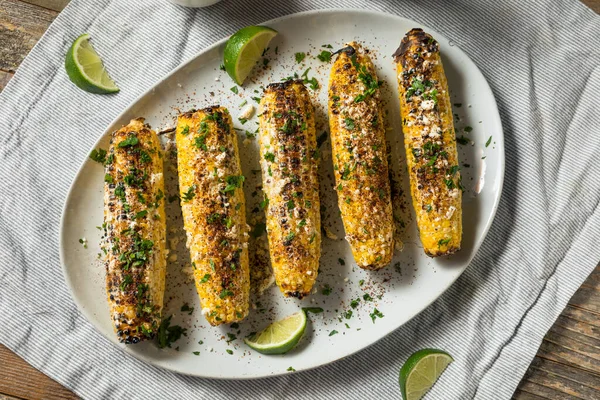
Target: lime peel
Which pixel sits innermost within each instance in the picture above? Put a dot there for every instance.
(420, 372)
(243, 50)
(85, 68)
(279, 337)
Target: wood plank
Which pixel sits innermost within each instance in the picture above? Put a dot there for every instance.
(56, 5)
(594, 279)
(581, 315)
(19, 379)
(521, 395)
(546, 392)
(21, 26)
(586, 298)
(563, 385)
(4, 78)
(582, 330)
(593, 4)
(571, 373)
(4, 397)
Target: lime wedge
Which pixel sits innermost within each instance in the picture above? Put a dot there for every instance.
(85, 68)
(244, 49)
(421, 371)
(279, 337)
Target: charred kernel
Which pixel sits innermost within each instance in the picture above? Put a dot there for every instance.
(214, 212)
(287, 130)
(431, 155)
(133, 159)
(355, 125)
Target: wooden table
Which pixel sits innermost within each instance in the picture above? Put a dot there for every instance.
(567, 365)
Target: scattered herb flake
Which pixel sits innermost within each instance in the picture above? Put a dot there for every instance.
(375, 314)
(186, 308)
(168, 334)
(325, 56)
(98, 155)
(314, 310)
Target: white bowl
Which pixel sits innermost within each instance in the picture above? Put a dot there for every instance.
(195, 3)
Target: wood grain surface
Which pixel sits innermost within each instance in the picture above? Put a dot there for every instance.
(567, 364)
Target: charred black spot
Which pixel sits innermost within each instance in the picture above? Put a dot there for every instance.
(296, 294)
(348, 50)
(283, 85)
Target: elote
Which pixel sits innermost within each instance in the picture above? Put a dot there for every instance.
(289, 162)
(430, 143)
(360, 157)
(134, 223)
(214, 212)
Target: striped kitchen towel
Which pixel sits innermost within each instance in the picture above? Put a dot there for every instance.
(542, 62)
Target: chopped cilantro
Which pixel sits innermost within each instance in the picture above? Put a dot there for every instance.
(233, 182)
(462, 140)
(314, 310)
(325, 56)
(131, 140)
(189, 195)
(258, 230)
(187, 308)
(98, 155)
(443, 242)
(269, 156)
(375, 314)
(168, 334)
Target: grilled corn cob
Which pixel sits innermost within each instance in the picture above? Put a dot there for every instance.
(289, 162)
(134, 223)
(214, 212)
(360, 158)
(430, 143)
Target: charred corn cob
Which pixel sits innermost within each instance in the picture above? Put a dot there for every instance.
(134, 223)
(360, 158)
(214, 212)
(289, 162)
(430, 143)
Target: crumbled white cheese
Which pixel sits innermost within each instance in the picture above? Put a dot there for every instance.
(450, 212)
(247, 112)
(428, 105)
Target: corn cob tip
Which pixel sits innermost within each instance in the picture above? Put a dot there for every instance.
(283, 85)
(418, 36)
(441, 252)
